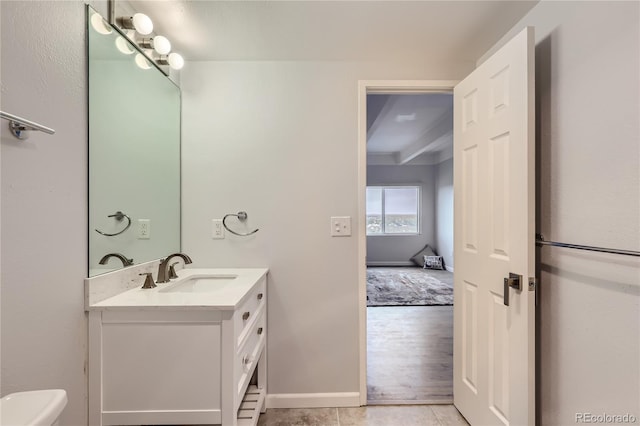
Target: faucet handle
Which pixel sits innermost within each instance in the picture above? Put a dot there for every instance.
(148, 281)
(172, 271)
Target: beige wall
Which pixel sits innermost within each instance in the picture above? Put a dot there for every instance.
(279, 140)
(588, 94)
(444, 211)
(44, 201)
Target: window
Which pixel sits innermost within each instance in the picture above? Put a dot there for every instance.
(393, 210)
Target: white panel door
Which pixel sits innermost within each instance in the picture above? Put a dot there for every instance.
(494, 159)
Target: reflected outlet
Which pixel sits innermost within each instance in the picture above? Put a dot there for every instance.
(144, 229)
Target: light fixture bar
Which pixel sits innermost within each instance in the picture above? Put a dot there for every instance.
(139, 22)
(143, 25)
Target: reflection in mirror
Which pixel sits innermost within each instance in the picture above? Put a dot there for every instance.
(134, 153)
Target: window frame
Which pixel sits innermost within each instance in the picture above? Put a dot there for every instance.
(418, 187)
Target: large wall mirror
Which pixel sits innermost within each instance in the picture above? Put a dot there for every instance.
(134, 153)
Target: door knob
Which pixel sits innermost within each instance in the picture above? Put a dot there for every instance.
(514, 281)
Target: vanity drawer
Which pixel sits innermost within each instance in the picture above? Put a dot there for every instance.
(246, 314)
(248, 355)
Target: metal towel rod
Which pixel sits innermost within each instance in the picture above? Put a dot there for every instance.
(542, 242)
(19, 125)
(119, 217)
(242, 216)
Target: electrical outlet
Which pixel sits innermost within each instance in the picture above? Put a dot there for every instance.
(144, 229)
(217, 230)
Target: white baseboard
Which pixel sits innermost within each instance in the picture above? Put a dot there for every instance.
(391, 263)
(313, 400)
(448, 268)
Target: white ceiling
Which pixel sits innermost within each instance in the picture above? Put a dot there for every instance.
(409, 128)
(332, 30)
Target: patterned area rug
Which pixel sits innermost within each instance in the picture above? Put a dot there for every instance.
(400, 286)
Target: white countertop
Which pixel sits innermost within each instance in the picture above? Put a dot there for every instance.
(227, 298)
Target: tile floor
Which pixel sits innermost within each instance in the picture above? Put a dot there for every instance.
(379, 415)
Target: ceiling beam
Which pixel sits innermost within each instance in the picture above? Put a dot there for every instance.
(434, 138)
(382, 113)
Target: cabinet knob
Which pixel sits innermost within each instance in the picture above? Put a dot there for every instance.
(246, 360)
(259, 296)
(260, 330)
(246, 315)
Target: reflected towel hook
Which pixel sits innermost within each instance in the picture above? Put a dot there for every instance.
(242, 216)
(119, 216)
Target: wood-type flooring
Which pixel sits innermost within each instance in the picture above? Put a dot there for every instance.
(410, 355)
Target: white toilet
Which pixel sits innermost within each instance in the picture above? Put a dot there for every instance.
(34, 408)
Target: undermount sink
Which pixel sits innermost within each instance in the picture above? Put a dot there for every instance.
(201, 284)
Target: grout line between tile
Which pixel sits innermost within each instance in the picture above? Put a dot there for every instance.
(338, 415)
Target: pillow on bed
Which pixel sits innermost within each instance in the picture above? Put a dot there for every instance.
(418, 258)
(433, 262)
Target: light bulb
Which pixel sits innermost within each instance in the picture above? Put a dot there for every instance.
(100, 25)
(142, 23)
(175, 61)
(123, 46)
(142, 62)
(162, 45)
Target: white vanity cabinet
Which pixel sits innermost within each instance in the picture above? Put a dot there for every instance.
(178, 364)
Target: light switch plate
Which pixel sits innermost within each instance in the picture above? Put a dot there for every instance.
(341, 226)
(217, 230)
(144, 229)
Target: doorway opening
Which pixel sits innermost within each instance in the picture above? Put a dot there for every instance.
(406, 201)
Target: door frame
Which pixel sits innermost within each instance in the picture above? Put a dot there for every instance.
(386, 87)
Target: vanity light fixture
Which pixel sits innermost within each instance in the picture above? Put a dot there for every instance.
(139, 22)
(100, 25)
(160, 44)
(123, 46)
(174, 60)
(143, 25)
(142, 62)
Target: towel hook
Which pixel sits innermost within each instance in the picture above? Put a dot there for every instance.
(119, 216)
(20, 126)
(242, 216)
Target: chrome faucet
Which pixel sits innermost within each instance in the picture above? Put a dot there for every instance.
(163, 268)
(125, 261)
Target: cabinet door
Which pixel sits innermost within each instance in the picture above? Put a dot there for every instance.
(157, 366)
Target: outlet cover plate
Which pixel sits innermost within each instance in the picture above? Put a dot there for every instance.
(217, 230)
(144, 229)
(341, 226)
